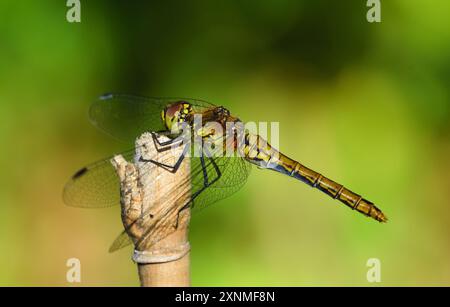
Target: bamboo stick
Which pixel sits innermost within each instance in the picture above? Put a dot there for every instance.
(151, 198)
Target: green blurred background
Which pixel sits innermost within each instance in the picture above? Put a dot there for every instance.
(365, 104)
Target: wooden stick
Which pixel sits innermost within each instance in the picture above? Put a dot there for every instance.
(172, 273)
(151, 198)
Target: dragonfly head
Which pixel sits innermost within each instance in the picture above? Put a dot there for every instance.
(175, 114)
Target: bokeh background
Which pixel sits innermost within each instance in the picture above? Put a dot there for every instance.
(365, 104)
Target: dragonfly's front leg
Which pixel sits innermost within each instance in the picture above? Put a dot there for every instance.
(169, 145)
(170, 142)
(171, 168)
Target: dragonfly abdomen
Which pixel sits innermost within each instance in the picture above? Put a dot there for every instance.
(259, 152)
(330, 187)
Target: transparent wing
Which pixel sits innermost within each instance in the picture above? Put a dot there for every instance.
(95, 186)
(232, 175)
(125, 117)
(225, 174)
(123, 240)
(228, 175)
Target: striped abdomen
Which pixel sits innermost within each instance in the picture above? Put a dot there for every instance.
(259, 152)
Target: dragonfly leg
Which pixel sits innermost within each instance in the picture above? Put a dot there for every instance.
(171, 168)
(206, 184)
(156, 141)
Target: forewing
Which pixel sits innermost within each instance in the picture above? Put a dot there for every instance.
(95, 186)
(126, 117)
(233, 174)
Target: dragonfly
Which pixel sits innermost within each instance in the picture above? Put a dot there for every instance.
(214, 174)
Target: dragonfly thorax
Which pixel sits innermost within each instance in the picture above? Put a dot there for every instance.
(221, 112)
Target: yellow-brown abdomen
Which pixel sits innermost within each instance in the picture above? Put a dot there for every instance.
(259, 152)
(331, 188)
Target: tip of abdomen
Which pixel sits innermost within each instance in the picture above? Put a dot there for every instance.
(369, 209)
(381, 217)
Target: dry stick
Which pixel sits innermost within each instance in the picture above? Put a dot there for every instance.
(150, 201)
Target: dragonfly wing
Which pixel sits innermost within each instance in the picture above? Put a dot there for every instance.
(95, 186)
(125, 117)
(121, 241)
(232, 175)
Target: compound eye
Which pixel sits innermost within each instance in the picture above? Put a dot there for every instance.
(172, 111)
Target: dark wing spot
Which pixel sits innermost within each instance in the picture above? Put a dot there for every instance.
(79, 173)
